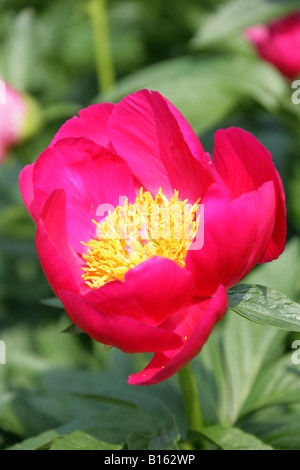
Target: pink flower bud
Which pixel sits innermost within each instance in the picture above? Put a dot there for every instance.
(20, 117)
(279, 43)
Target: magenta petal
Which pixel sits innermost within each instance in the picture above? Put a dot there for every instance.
(236, 235)
(151, 292)
(26, 188)
(93, 178)
(253, 166)
(60, 264)
(127, 334)
(189, 135)
(145, 133)
(91, 124)
(277, 242)
(197, 325)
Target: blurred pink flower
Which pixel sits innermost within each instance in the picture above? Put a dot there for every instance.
(158, 295)
(279, 43)
(19, 117)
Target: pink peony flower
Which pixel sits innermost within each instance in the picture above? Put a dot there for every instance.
(120, 279)
(279, 44)
(19, 117)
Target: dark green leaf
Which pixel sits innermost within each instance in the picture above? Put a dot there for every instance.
(164, 439)
(270, 274)
(79, 440)
(42, 441)
(194, 86)
(206, 90)
(278, 384)
(264, 305)
(233, 16)
(227, 438)
(237, 353)
(277, 426)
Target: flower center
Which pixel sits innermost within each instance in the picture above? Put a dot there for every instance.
(133, 233)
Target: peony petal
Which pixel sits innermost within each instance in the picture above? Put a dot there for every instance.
(145, 133)
(60, 264)
(253, 166)
(277, 242)
(151, 292)
(236, 234)
(91, 124)
(94, 180)
(199, 321)
(189, 135)
(26, 188)
(127, 334)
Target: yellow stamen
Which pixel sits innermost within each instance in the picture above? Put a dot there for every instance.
(136, 232)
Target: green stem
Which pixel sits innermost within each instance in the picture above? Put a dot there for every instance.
(104, 62)
(190, 398)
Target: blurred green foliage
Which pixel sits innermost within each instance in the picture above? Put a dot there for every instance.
(63, 388)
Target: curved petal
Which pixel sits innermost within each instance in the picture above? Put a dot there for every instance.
(236, 235)
(94, 180)
(26, 188)
(145, 133)
(91, 124)
(277, 242)
(127, 334)
(60, 264)
(189, 135)
(196, 326)
(151, 292)
(253, 166)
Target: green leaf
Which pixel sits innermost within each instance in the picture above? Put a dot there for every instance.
(227, 438)
(207, 89)
(212, 378)
(277, 385)
(164, 439)
(40, 442)
(264, 305)
(196, 87)
(52, 440)
(270, 274)
(277, 426)
(237, 353)
(79, 440)
(98, 403)
(233, 16)
(250, 349)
